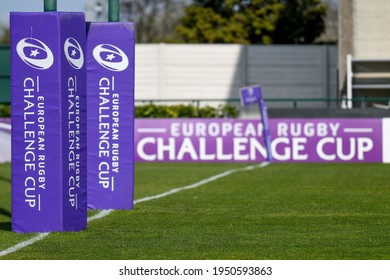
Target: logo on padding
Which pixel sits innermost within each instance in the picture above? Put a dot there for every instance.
(74, 53)
(35, 53)
(110, 57)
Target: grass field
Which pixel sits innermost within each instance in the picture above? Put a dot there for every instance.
(281, 211)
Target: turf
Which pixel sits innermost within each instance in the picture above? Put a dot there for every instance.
(282, 211)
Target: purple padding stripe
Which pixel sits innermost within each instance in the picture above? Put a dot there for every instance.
(48, 122)
(110, 94)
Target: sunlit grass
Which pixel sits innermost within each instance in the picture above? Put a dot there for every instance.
(282, 211)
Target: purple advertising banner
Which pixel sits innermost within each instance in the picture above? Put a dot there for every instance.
(110, 99)
(48, 122)
(228, 140)
(5, 120)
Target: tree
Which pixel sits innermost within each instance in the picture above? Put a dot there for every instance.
(253, 21)
(155, 20)
(4, 38)
(300, 22)
(330, 35)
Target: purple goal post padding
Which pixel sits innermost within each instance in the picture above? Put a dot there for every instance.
(48, 98)
(110, 98)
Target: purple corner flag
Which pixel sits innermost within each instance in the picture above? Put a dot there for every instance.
(250, 95)
(110, 97)
(49, 192)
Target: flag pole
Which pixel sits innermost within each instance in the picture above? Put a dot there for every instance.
(113, 10)
(50, 5)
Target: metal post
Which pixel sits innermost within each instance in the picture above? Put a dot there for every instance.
(295, 103)
(113, 10)
(349, 82)
(50, 5)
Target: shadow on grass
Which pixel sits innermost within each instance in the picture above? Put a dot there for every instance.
(5, 212)
(5, 226)
(5, 179)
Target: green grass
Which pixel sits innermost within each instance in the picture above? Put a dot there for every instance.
(282, 211)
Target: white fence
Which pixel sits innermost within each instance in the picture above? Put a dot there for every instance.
(200, 71)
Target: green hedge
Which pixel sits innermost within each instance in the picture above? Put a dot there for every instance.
(185, 111)
(167, 111)
(5, 111)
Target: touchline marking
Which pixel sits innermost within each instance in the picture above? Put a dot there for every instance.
(200, 183)
(105, 213)
(24, 244)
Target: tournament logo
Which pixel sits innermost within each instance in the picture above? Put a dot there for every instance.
(35, 53)
(110, 57)
(74, 53)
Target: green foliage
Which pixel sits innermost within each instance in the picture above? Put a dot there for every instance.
(5, 111)
(155, 20)
(185, 111)
(203, 25)
(301, 22)
(253, 22)
(5, 36)
(167, 111)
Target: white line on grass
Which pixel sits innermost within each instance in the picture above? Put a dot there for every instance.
(105, 213)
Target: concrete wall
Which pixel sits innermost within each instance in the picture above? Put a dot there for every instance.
(371, 23)
(345, 39)
(363, 32)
